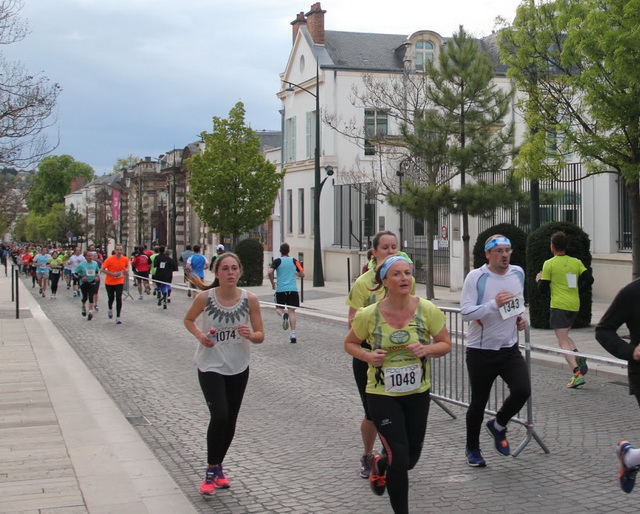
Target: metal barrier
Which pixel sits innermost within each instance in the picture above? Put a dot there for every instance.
(449, 381)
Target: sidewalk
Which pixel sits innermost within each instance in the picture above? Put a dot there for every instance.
(66, 447)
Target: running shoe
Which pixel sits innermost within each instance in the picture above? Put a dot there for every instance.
(475, 458)
(40, 290)
(159, 300)
(141, 297)
(365, 470)
(285, 321)
(499, 437)
(118, 322)
(164, 305)
(221, 481)
(582, 365)
(293, 340)
(90, 316)
(68, 286)
(377, 476)
(576, 381)
(110, 314)
(627, 476)
(208, 486)
(96, 308)
(83, 311)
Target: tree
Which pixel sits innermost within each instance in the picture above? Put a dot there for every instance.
(233, 188)
(13, 191)
(578, 65)
(470, 110)
(27, 101)
(53, 181)
(125, 162)
(451, 120)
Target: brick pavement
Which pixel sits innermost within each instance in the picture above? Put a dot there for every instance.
(297, 442)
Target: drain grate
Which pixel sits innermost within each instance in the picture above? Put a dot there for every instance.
(138, 421)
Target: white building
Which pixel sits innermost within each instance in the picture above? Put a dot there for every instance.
(335, 66)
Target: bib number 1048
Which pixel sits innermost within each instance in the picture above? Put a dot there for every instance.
(403, 379)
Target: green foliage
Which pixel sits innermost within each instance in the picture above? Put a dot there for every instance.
(53, 181)
(578, 66)
(516, 235)
(251, 256)
(233, 188)
(538, 251)
(52, 226)
(125, 162)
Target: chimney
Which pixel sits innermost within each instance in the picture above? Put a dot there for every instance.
(300, 19)
(315, 22)
(77, 183)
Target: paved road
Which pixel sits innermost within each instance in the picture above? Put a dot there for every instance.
(297, 443)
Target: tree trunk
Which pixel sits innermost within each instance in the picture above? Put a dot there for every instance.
(466, 259)
(430, 292)
(634, 202)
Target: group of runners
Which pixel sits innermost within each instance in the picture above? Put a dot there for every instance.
(392, 336)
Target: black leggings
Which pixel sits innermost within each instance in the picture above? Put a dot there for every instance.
(484, 366)
(115, 291)
(360, 369)
(401, 422)
(54, 278)
(88, 290)
(223, 394)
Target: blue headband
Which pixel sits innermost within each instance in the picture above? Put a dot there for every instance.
(497, 241)
(387, 264)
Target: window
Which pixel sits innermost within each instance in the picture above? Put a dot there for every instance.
(376, 125)
(424, 54)
(289, 211)
(311, 134)
(290, 139)
(300, 211)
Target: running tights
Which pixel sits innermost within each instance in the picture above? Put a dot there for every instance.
(115, 291)
(484, 366)
(88, 290)
(401, 422)
(223, 394)
(54, 278)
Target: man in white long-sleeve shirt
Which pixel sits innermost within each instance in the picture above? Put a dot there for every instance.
(493, 302)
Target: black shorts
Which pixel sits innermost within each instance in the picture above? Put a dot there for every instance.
(142, 275)
(559, 318)
(290, 298)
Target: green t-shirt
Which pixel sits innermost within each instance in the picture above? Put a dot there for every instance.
(56, 264)
(563, 273)
(89, 270)
(361, 294)
(402, 373)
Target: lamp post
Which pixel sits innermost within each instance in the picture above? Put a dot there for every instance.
(318, 272)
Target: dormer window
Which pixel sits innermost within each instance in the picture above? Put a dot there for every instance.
(424, 54)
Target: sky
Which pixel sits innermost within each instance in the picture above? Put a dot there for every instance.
(142, 77)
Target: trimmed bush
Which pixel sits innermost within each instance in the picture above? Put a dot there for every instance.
(538, 251)
(516, 235)
(251, 256)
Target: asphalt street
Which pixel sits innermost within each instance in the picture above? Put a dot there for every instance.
(297, 444)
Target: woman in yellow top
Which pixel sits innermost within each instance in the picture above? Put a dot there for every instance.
(399, 328)
(363, 293)
(55, 264)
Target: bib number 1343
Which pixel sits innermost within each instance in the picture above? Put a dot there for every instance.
(513, 308)
(403, 379)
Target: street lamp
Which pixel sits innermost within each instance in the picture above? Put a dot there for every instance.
(318, 273)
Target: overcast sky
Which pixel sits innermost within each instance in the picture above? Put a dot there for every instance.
(143, 77)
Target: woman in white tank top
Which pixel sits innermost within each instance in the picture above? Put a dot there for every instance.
(231, 319)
